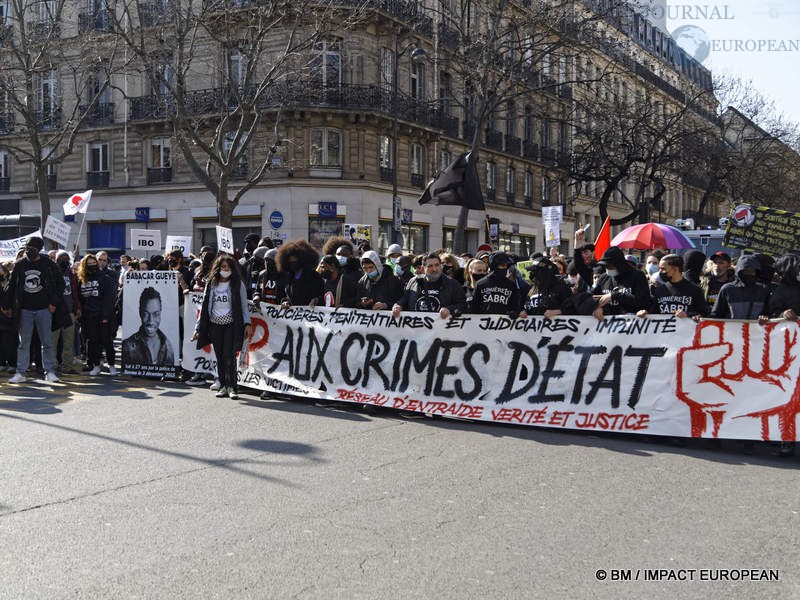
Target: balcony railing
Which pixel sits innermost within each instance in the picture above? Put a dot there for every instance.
(447, 123)
(527, 201)
(159, 175)
(448, 38)
(155, 14)
(548, 155)
(98, 21)
(47, 119)
(530, 150)
(513, 144)
(564, 159)
(469, 130)
(97, 179)
(494, 140)
(101, 114)
(418, 180)
(407, 11)
(6, 123)
(5, 184)
(387, 174)
(510, 197)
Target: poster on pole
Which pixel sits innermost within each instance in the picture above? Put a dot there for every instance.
(150, 331)
(552, 217)
(225, 239)
(9, 248)
(146, 240)
(358, 233)
(178, 242)
(57, 230)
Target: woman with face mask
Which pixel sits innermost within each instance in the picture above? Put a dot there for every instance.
(8, 325)
(298, 262)
(224, 321)
(98, 296)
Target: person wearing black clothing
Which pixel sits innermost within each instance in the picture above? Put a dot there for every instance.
(344, 250)
(746, 297)
(378, 289)
(298, 260)
(251, 241)
(621, 289)
(98, 296)
(270, 286)
(403, 270)
(224, 321)
(340, 289)
(495, 294)
(677, 295)
(785, 299)
(8, 326)
(721, 273)
(251, 269)
(37, 289)
(694, 261)
(67, 311)
(432, 292)
(550, 296)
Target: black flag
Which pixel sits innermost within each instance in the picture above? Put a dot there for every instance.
(457, 185)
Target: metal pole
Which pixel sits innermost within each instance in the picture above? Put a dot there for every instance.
(396, 225)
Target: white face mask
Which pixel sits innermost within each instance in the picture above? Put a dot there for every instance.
(342, 260)
(224, 274)
(652, 268)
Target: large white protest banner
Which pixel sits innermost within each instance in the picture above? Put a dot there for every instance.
(657, 375)
(56, 230)
(150, 332)
(146, 240)
(9, 248)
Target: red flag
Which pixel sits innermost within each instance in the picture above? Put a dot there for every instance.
(603, 241)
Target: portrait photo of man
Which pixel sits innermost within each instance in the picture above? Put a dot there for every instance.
(149, 345)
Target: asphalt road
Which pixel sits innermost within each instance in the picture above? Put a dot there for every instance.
(128, 488)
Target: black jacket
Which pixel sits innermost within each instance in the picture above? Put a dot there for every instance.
(204, 319)
(303, 290)
(739, 301)
(496, 295)
(422, 295)
(629, 289)
(387, 289)
(53, 282)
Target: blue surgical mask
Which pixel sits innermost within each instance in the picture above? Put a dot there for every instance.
(398, 270)
(652, 268)
(374, 274)
(612, 272)
(342, 260)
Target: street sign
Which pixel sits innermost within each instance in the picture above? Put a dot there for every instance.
(143, 214)
(276, 219)
(408, 216)
(326, 210)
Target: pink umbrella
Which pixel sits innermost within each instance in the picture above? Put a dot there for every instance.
(649, 236)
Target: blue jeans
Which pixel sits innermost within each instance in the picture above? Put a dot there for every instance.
(43, 321)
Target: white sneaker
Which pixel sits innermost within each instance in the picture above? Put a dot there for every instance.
(52, 378)
(18, 378)
(112, 370)
(95, 371)
(215, 386)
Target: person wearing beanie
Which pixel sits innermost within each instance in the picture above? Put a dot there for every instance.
(37, 288)
(378, 288)
(339, 289)
(621, 289)
(495, 294)
(251, 241)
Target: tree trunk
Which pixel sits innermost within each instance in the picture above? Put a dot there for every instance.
(225, 208)
(44, 193)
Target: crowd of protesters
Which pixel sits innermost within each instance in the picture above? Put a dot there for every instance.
(61, 318)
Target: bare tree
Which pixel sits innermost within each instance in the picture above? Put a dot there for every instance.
(219, 73)
(50, 87)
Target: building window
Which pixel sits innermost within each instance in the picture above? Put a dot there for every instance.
(49, 167)
(545, 137)
(445, 158)
(511, 184)
(240, 170)
(107, 236)
(528, 189)
(46, 85)
(320, 229)
(97, 173)
(545, 191)
(446, 93)
(5, 174)
(326, 147)
(417, 162)
(511, 119)
(417, 81)
(491, 174)
(160, 161)
(236, 69)
(386, 157)
(326, 66)
(162, 77)
(415, 237)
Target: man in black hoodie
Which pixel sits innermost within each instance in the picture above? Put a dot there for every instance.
(37, 288)
(746, 297)
(432, 292)
(621, 289)
(694, 261)
(495, 294)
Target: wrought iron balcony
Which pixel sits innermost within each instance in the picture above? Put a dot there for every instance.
(407, 11)
(527, 201)
(47, 119)
(97, 179)
(490, 194)
(159, 175)
(418, 180)
(530, 150)
(6, 123)
(152, 107)
(548, 155)
(510, 197)
(158, 13)
(387, 174)
(448, 37)
(564, 159)
(5, 184)
(101, 114)
(97, 21)
(513, 144)
(447, 123)
(469, 130)
(494, 140)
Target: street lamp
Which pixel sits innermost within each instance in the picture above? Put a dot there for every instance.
(418, 56)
